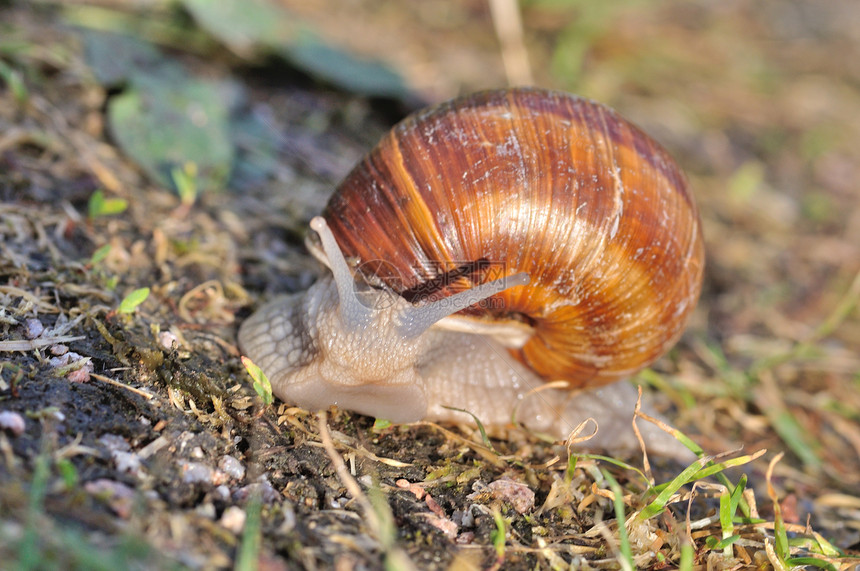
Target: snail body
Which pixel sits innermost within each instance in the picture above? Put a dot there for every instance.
(447, 219)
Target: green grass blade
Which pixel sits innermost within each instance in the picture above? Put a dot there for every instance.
(687, 553)
(249, 550)
(620, 517)
(810, 562)
(484, 438)
(659, 503)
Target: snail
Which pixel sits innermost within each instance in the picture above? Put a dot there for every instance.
(485, 246)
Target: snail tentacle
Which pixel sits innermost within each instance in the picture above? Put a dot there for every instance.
(354, 314)
(417, 320)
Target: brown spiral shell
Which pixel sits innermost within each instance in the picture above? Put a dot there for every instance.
(543, 182)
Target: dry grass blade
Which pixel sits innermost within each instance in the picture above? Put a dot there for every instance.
(778, 552)
(509, 30)
(116, 383)
(485, 453)
(30, 297)
(40, 343)
(384, 534)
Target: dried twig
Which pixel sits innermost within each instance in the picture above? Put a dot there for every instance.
(110, 381)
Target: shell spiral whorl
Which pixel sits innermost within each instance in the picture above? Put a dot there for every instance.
(542, 182)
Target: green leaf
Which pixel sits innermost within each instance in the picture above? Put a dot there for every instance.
(343, 69)
(380, 424)
(116, 58)
(133, 299)
(100, 254)
(164, 119)
(100, 206)
(29, 548)
(164, 124)
(737, 493)
(15, 82)
(185, 181)
(261, 383)
(242, 24)
(68, 472)
(251, 26)
(499, 535)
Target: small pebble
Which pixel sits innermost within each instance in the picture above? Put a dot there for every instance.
(339, 503)
(266, 492)
(168, 340)
(114, 442)
(119, 497)
(58, 349)
(232, 467)
(465, 538)
(520, 496)
(289, 522)
(219, 478)
(63, 360)
(221, 493)
(196, 472)
(79, 375)
(183, 439)
(417, 490)
(467, 518)
(206, 510)
(57, 415)
(445, 525)
(33, 328)
(233, 519)
(12, 422)
(434, 506)
(126, 462)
